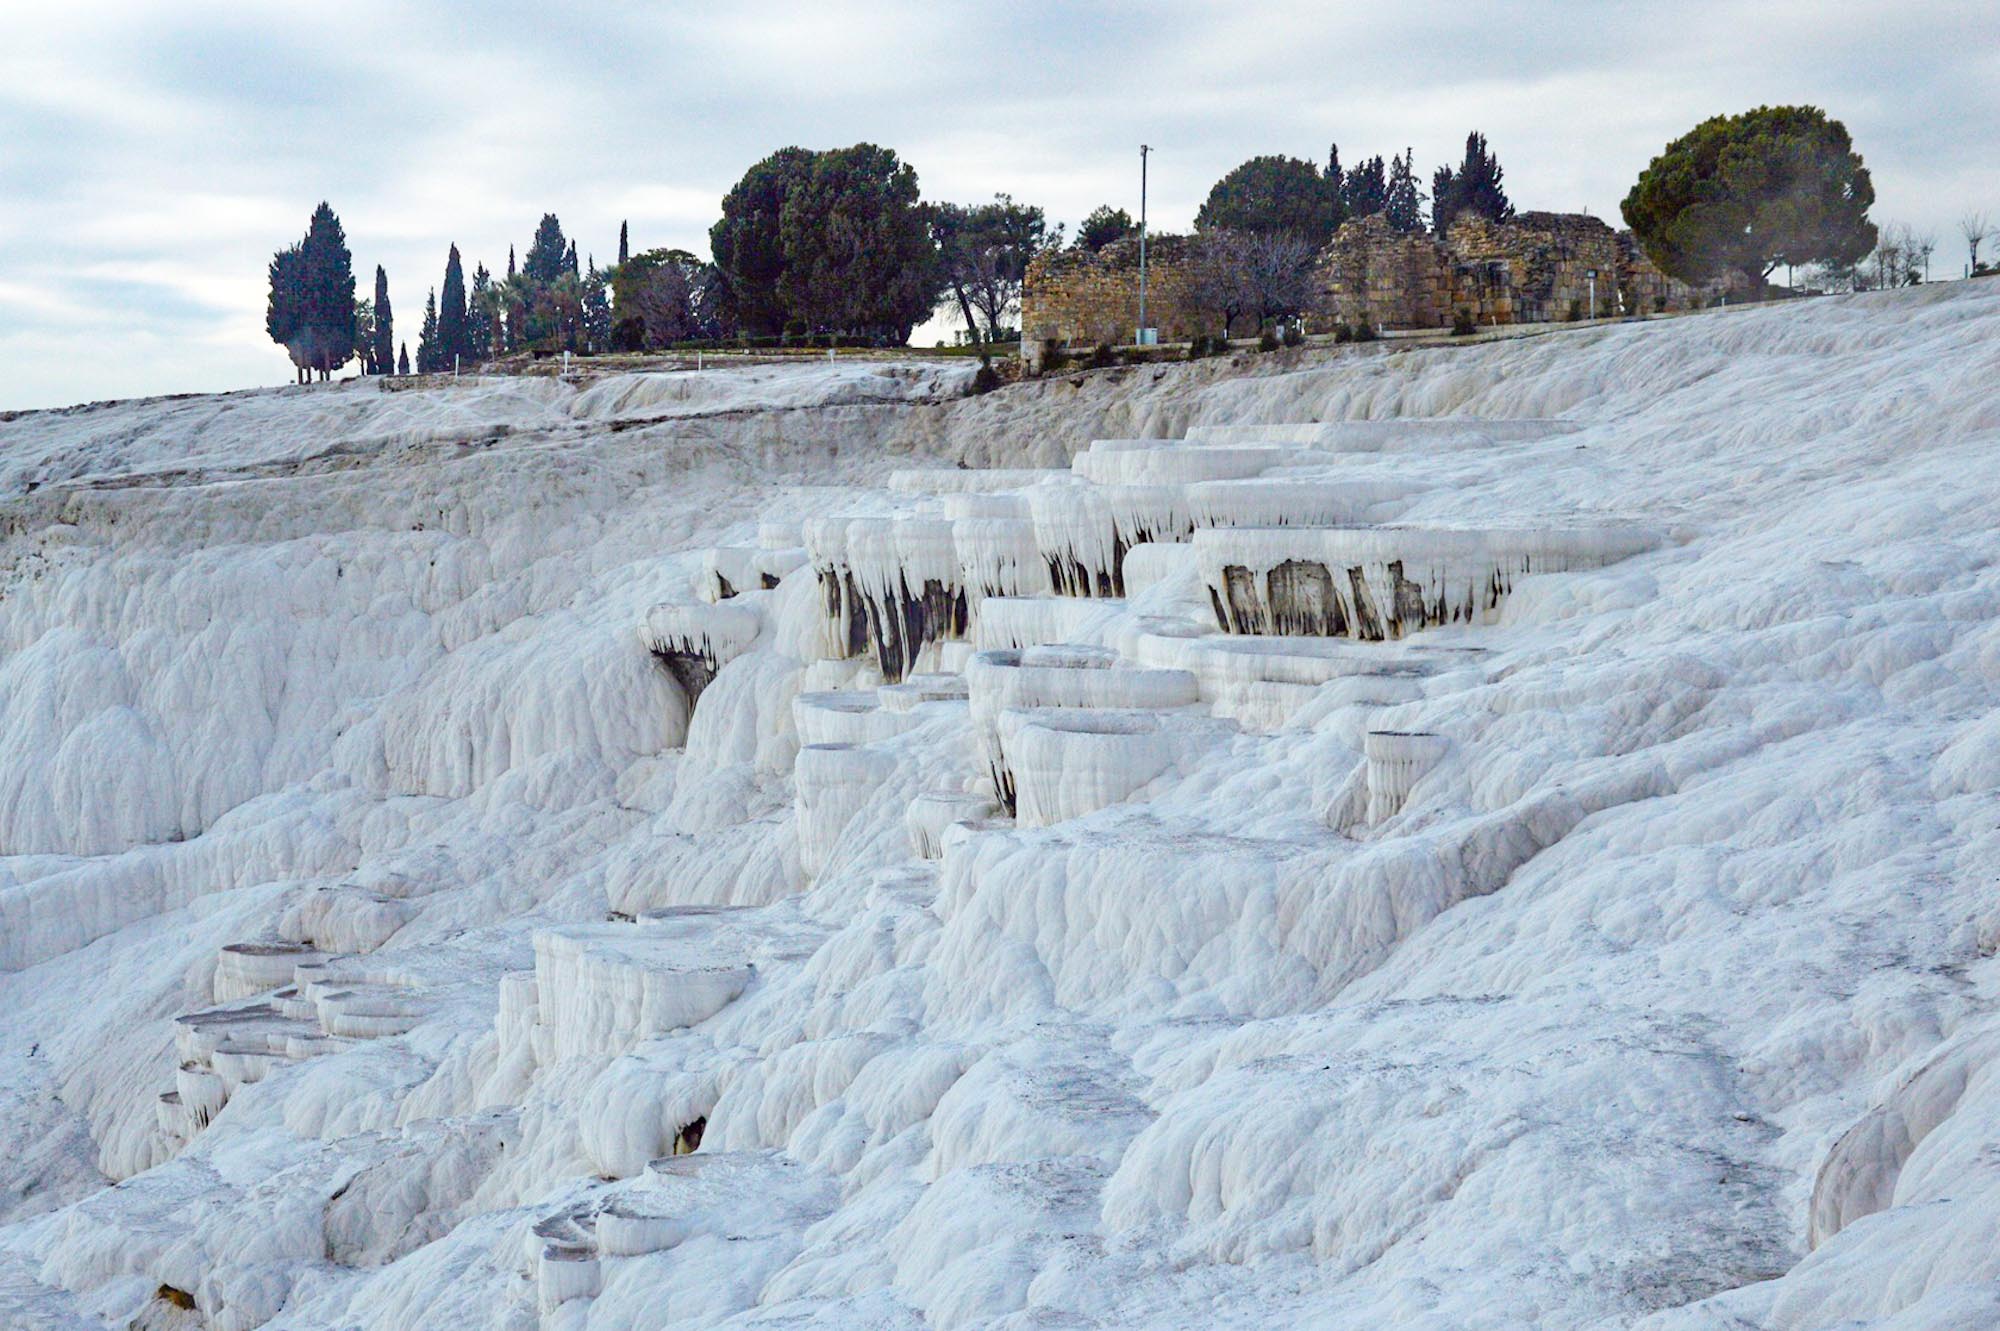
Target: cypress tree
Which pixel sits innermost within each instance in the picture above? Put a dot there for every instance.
(510, 263)
(403, 362)
(451, 332)
(1474, 187)
(1367, 187)
(596, 312)
(285, 312)
(1336, 185)
(479, 314)
(1403, 204)
(428, 350)
(624, 248)
(385, 341)
(327, 327)
(569, 260)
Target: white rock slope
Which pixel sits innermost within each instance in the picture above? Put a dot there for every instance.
(1489, 837)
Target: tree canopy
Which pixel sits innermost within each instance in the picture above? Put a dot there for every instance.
(310, 311)
(1366, 189)
(857, 246)
(1746, 193)
(658, 299)
(1273, 193)
(832, 241)
(1104, 225)
(984, 251)
(549, 255)
(745, 242)
(1474, 187)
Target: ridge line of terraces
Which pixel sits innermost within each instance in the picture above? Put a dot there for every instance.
(960, 593)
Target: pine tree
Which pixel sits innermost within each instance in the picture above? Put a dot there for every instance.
(453, 344)
(624, 246)
(549, 253)
(385, 341)
(1403, 203)
(403, 361)
(428, 349)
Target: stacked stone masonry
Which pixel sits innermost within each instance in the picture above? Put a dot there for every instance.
(1533, 268)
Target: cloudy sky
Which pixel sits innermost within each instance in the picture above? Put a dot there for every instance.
(153, 155)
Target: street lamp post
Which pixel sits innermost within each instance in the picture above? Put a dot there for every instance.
(1139, 336)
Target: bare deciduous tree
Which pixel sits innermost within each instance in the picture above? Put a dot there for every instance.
(1975, 227)
(1264, 274)
(1216, 283)
(1278, 273)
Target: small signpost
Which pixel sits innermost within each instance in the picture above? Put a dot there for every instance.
(1592, 275)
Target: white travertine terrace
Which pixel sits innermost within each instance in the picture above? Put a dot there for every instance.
(1060, 677)
(1397, 760)
(845, 615)
(846, 717)
(1083, 531)
(728, 571)
(243, 969)
(959, 480)
(1064, 763)
(907, 571)
(600, 989)
(1659, 1000)
(832, 783)
(694, 641)
(1374, 583)
(933, 813)
(1261, 683)
(1396, 434)
(999, 557)
(1169, 462)
(916, 690)
(1298, 501)
(1029, 621)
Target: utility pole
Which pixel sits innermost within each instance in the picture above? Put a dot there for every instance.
(1140, 335)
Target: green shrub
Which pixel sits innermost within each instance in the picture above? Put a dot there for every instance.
(1343, 333)
(1575, 311)
(1268, 340)
(1461, 323)
(1102, 357)
(1294, 335)
(987, 378)
(1365, 331)
(1659, 304)
(1055, 356)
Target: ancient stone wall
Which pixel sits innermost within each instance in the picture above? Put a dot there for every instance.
(1548, 259)
(1080, 298)
(1390, 279)
(1533, 268)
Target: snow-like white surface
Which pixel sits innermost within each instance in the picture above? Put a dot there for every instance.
(377, 915)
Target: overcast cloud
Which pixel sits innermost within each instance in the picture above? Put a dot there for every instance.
(152, 156)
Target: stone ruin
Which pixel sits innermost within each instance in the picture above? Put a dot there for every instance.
(1533, 268)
